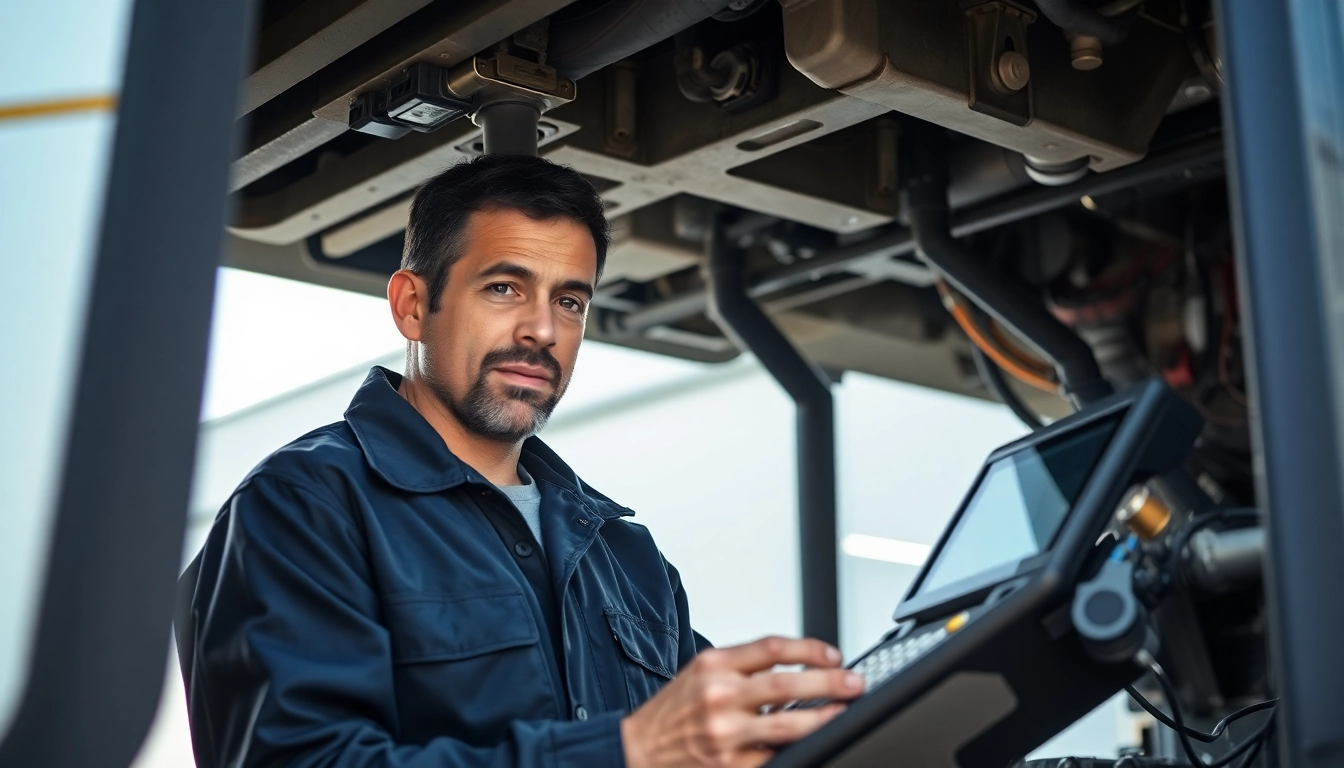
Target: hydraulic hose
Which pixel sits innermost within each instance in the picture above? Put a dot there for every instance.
(1008, 303)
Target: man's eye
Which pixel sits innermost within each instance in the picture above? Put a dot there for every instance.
(500, 289)
(573, 305)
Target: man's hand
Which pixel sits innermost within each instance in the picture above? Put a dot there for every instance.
(710, 714)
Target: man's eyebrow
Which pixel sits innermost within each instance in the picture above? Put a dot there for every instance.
(578, 286)
(509, 269)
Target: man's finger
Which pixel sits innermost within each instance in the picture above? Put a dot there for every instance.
(782, 728)
(752, 758)
(783, 687)
(769, 651)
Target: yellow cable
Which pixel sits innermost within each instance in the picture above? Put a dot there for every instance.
(57, 107)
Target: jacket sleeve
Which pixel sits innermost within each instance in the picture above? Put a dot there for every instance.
(293, 668)
(690, 642)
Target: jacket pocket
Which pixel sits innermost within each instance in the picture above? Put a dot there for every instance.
(433, 627)
(467, 664)
(649, 649)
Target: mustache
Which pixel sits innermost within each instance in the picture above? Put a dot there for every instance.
(538, 357)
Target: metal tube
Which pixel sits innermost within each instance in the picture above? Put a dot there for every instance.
(1012, 306)
(811, 393)
(1221, 561)
(597, 35)
(509, 127)
(896, 240)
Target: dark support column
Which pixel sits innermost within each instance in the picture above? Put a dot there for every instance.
(1281, 107)
(811, 392)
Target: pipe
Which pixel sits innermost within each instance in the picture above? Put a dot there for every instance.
(895, 240)
(1072, 16)
(1222, 561)
(508, 127)
(1012, 306)
(590, 35)
(811, 392)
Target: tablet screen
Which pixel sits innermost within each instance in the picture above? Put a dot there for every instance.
(1019, 506)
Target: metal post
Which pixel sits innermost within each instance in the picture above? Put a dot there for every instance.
(1281, 107)
(811, 393)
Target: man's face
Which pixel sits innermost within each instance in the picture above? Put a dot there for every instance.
(501, 348)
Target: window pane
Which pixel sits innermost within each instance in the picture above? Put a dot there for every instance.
(66, 56)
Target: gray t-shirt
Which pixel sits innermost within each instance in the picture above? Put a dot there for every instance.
(527, 498)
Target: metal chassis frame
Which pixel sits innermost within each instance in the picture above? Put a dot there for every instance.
(96, 671)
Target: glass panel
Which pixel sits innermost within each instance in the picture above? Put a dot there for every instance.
(62, 62)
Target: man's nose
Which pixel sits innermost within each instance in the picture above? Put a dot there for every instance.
(536, 327)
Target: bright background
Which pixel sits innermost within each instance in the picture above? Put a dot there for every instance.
(703, 454)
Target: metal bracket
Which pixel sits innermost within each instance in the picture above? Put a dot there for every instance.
(1000, 70)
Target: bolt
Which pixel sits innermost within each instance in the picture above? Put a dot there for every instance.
(1086, 52)
(1197, 92)
(1014, 70)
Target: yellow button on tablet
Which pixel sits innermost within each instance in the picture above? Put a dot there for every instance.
(957, 622)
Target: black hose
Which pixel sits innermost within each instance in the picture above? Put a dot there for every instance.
(591, 34)
(1073, 16)
(992, 375)
(1012, 306)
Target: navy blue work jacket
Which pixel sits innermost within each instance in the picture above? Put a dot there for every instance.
(359, 604)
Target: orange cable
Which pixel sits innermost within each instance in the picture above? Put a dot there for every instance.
(1012, 347)
(1013, 367)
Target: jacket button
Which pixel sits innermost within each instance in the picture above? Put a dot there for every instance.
(523, 549)
(581, 713)
(583, 521)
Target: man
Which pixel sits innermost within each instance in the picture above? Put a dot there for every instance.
(426, 584)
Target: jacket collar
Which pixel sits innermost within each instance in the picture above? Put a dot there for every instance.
(403, 449)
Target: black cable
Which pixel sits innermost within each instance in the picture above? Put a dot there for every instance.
(992, 375)
(1196, 734)
(1183, 732)
(1249, 759)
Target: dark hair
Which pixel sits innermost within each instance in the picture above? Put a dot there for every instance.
(533, 186)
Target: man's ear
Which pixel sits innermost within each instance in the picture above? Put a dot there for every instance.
(408, 296)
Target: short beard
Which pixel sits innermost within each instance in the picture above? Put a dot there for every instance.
(487, 414)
